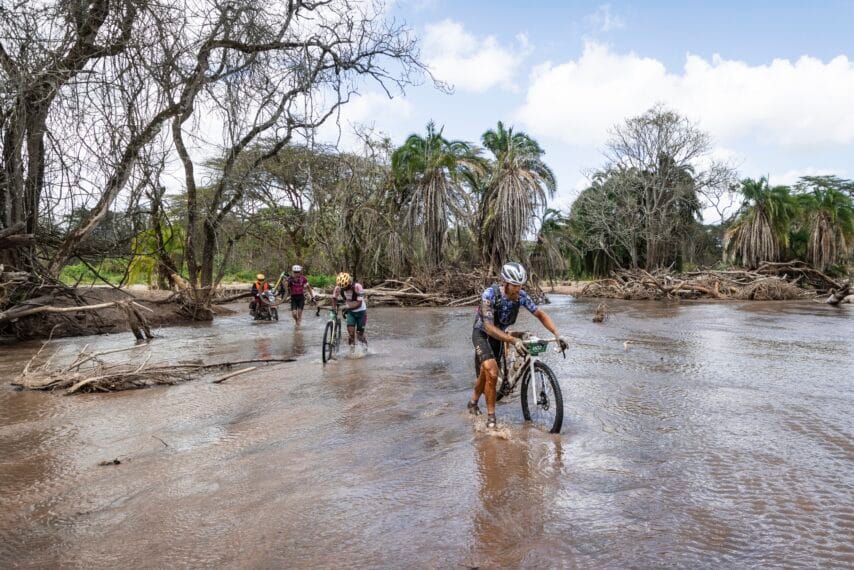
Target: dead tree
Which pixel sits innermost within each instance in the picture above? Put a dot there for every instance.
(89, 89)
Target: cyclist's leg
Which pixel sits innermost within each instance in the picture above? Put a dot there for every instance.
(351, 328)
(297, 305)
(486, 351)
(361, 319)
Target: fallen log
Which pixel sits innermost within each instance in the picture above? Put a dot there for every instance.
(26, 311)
(838, 295)
(222, 379)
(813, 276)
(137, 322)
(231, 298)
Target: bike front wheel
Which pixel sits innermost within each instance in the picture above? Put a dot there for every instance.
(546, 412)
(328, 342)
(502, 387)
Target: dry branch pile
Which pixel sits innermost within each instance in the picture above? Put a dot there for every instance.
(769, 282)
(89, 372)
(445, 289)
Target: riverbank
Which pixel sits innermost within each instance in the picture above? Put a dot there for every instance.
(156, 306)
(161, 308)
(573, 288)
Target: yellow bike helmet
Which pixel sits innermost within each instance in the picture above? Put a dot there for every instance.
(344, 280)
(260, 277)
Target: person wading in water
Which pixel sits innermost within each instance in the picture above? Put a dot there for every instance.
(498, 309)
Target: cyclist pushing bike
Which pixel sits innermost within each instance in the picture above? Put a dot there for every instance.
(352, 296)
(498, 309)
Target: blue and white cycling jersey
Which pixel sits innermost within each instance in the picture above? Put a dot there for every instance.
(501, 312)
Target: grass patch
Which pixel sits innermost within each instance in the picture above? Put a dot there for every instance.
(112, 270)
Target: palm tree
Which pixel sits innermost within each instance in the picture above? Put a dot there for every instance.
(671, 207)
(761, 231)
(515, 192)
(829, 216)
(547, 257)
(428, 171)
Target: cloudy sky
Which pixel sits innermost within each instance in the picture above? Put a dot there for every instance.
(772, 82)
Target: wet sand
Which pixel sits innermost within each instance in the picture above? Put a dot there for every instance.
(695, 435)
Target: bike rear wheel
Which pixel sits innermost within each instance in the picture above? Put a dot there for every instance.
(547, 411)
(329, 347)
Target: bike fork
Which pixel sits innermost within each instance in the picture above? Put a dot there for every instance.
(533, 378)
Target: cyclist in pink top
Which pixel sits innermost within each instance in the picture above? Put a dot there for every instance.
(295, 286)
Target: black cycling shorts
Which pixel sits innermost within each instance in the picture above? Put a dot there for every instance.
(485, 347)
(297, 302)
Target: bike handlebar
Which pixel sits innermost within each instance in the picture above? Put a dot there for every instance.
(537, 340)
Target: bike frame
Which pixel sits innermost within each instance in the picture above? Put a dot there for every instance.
(335, 317)
(528, 362)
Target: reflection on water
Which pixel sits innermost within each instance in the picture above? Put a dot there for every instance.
(695, 435)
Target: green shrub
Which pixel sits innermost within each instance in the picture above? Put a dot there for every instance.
(113, 270)
(321, 281)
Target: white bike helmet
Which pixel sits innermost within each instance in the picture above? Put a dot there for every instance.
(514, 273)
(296, 269)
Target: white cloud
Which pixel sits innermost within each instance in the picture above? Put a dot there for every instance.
(790, 177)
(603, 20)
(371, 109)
(796, 104)
(470, 63)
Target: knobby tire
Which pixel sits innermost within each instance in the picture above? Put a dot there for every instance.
(554, 400)
(328, 342)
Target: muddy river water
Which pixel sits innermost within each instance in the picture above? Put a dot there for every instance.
(695, 435)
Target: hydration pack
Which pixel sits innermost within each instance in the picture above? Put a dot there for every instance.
(496, 307)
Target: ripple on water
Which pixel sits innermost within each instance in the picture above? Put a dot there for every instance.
(708, 440)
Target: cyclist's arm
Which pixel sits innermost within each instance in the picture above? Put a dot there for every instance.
(334, 299)
(496, 332)
(547, 322)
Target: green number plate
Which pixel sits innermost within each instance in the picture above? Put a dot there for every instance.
(536, 348)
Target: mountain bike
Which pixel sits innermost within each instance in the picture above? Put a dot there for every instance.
(542, 400)
(332, 336)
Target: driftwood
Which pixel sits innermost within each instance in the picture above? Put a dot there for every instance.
(222, 379)
(89, 372)
(601, 313)
(138, 323)
(231, 298)
(839, 295)
(770, 281)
